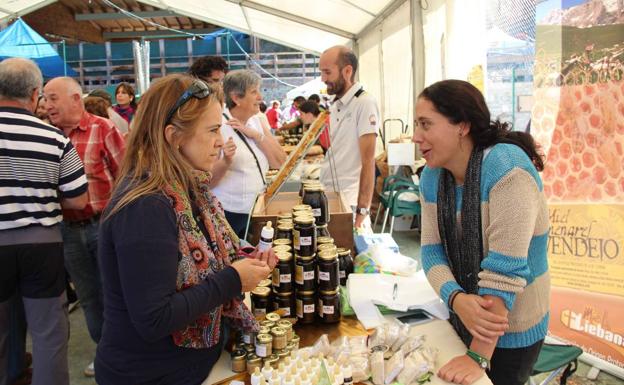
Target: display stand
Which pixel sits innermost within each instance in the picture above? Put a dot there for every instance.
(295, 157)
(273, 202)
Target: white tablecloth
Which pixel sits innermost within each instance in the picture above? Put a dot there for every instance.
(439, 334)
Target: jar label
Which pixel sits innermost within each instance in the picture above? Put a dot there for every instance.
(299, 308)
(276, 277)
(299, 274)
(343, 274)
(296, 239)
(324, 275)
(259, 311)
(285, 310)
(328, 309)
(305, 241)
(316, 212)
(261, 350)
(285, 278)
(308, 275)
(247, 336)
(308, 308)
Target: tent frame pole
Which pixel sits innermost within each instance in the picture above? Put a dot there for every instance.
(418, 49)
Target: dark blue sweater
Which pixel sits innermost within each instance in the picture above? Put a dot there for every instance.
(138, 256)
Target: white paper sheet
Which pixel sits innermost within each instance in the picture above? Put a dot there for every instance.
(368, 290)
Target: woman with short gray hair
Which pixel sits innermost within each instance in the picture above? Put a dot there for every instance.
(249, 150)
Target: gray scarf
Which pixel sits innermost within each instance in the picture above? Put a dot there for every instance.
(463, 246)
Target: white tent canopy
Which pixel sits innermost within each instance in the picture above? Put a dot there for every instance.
(400, 43)
(314, 86)
(14, 8)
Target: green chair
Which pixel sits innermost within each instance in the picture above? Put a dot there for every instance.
(405, 201)
(386, 195)
(557, 359)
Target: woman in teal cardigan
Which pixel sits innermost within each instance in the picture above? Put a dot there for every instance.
(484, 233)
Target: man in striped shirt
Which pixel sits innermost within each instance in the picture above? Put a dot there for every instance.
(40, 173)
(100, 146)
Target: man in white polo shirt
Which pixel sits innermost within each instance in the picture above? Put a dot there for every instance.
(349, 164)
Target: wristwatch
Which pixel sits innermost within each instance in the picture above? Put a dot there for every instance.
(362, 211)
(483, 362)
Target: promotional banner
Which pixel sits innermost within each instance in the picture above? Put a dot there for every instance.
(578, 120)
(587, 270)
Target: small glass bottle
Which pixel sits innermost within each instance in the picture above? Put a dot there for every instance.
(256, 376)
(266, 237)
(267, 370)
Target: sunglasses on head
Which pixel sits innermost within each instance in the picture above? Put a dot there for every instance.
(198, 89)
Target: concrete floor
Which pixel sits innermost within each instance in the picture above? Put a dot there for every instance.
(82, 349)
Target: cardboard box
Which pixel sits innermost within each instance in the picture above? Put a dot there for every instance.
(340, 224)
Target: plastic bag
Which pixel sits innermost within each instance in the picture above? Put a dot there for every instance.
(377, 367)
(321, 346)
(393, 367)
(378, 259)
(361, 368)
(412, 343)
(418, 365)
(378, 337)
(403, 331)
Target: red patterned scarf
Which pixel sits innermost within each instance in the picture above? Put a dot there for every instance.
(201, 259)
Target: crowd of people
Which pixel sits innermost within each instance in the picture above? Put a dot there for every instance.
(145, 205)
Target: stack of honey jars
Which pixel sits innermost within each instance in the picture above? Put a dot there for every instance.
(305, 282)
(304, 242)
(273, 342)
(328, 295)
(313, 194)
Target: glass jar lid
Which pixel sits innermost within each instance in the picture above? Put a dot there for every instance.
(261, 291)
(252, 359)
(304, 220)
(314, 187)
(328, 255)
(273, 317)
(284, 256)
(282, 248)
(264, 338)
(285, 324)
(327, 247)
(278, 331)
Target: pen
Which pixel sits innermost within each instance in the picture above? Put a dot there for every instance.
(395, 290)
